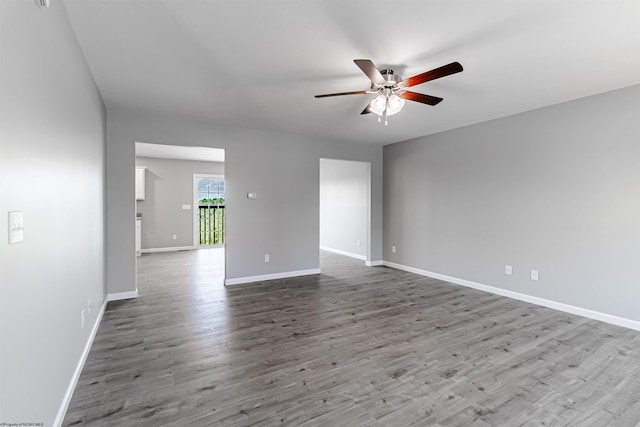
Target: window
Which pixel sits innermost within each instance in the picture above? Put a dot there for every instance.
(211, 192)
(211, 211)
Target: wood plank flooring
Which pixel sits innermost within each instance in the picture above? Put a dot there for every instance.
(352, 346)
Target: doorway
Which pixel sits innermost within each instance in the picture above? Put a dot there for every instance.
(209, 210)
(345, 208)
(167, 205)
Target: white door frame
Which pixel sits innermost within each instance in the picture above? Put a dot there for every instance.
(196, 210)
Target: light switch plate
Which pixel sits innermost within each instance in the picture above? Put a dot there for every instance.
(16, 227)
(186, 207)
(252, 195)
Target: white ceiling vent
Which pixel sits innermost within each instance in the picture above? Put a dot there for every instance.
(43, 3)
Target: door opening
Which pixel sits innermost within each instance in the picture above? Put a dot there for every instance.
(168, 208)
(345, 208)
(209, 215)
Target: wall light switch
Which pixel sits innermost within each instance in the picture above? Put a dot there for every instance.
(508, 270)
(266, 258)
(186, 207)
(534, 274)
(16, 227)
(252, 195)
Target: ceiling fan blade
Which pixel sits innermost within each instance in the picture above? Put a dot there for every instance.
(357, 92)
(419, 97)
(370, 70)
(436, 73)
(366, 110)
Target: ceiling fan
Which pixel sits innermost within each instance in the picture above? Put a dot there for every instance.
(392, 90)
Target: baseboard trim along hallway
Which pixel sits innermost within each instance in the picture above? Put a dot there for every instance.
(76, 373)
(345, 253)
(170, 249)
(567, 308)
(274, 276)
(122, 295)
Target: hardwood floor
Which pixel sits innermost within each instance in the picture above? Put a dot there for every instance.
(352, 346)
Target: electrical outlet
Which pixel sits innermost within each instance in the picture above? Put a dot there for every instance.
(82, 319)
(175, 236)
(266, 257)
(508, 270)
(393, 249)
(358, 242)
(534, 274)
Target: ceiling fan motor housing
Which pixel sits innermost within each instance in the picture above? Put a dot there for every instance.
(391, 78)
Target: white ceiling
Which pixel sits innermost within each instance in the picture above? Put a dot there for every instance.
(162, 151)
(257, 64)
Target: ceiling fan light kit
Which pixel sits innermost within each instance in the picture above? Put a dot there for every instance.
(392, 104)
(392, 90)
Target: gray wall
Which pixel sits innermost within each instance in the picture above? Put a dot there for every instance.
(282, 168)
(52, 124)
(555, 189)
(169, 185)
(344, 199)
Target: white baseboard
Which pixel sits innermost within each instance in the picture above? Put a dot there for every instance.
(172, 249)
(122, 295)
(62, 411)
(345, 253)
(283, 275)
(374, 263)
(567, 308)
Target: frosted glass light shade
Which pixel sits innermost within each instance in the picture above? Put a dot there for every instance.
(395, 105)
(378, 104)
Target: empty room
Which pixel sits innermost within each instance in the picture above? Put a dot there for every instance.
(320, 213)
